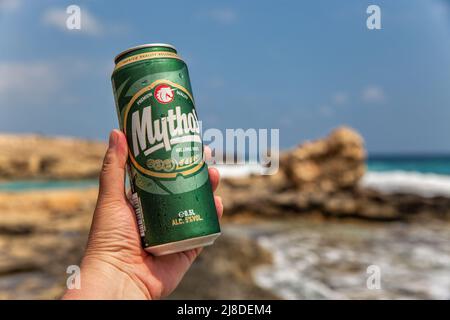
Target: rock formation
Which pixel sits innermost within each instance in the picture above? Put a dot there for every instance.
(330, 164)
(39, 157)
(322, 177)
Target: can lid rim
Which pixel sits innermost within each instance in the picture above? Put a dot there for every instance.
(146, 45)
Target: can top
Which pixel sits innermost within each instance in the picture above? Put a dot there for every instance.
(147, 45)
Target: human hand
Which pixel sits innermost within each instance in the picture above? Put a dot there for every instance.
(115, 266)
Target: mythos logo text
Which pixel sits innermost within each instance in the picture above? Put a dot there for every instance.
(162, 124)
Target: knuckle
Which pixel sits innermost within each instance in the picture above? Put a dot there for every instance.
(108, 161)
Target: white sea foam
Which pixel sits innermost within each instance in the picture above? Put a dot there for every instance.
(423, 184)
(234, 171)
(330, 260)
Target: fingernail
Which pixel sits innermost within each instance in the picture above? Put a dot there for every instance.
(113, 139)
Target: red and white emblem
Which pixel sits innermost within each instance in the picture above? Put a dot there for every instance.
(164, 93)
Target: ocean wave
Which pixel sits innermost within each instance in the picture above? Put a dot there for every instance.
(332, 260)
(423, 184)
(235, 171)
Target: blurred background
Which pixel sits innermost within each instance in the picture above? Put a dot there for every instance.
(360, 208)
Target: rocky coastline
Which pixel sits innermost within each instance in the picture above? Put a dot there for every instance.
(43, 232)
(316, 177)
(36, 157)
(321, 177)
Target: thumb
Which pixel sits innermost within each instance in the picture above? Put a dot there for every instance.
(112, 176)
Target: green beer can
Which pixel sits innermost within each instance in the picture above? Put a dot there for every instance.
(170, 188)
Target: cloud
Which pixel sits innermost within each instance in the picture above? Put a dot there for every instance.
(30, 82)
(57, 17)
(225, 16)
(340, 98)
(9, 5)
(37, 83)
(373, 94)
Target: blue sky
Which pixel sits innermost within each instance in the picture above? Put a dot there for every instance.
(302, 66)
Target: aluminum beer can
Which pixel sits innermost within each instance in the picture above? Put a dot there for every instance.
(170, 188)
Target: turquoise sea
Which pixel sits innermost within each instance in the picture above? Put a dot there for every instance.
(435, 164)
(26, 185)
(382, 169)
